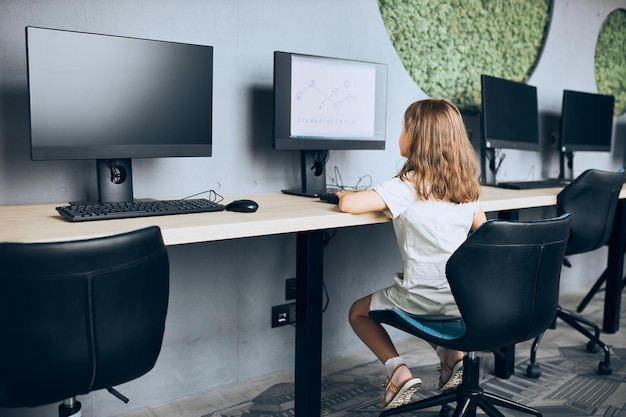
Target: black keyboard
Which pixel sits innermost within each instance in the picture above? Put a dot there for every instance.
(529, 185)
(140, 208)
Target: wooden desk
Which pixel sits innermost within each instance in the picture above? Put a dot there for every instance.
(278, 213)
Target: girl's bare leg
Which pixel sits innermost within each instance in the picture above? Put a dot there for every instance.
(371, 332)
(400, 382)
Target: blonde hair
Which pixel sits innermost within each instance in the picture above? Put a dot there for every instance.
(441, 162)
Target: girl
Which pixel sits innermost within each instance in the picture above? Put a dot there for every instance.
(433, 202)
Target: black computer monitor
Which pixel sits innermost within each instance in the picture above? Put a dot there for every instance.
(322, 104)
(510, 116)
(114, 98)
(509, 120)
(586, 122)
(586, 125)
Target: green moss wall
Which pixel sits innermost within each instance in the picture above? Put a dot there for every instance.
(610, 59)
(446, 45)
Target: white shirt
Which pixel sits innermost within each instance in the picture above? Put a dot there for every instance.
(427, 233)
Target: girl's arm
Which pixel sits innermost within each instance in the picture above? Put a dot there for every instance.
(479, 218)
(360, 202)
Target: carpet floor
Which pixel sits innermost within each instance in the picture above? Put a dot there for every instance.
(570, 384)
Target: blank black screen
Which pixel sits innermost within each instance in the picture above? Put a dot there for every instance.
(510, 117)
(586, 121)
(102, 97)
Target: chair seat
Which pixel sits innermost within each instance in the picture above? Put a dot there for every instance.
(447, 330)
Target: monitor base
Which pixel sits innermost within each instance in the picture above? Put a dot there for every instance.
(310, 193)
(303, 193)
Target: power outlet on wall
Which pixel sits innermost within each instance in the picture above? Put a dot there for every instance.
(283, 314)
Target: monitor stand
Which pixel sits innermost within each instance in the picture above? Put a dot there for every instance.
(115, 180)
(488, 165)
(568, 173)
(312, 173)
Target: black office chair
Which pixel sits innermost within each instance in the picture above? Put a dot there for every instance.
(591, 199)
(80, 316)
(505, 280)
(597, 287)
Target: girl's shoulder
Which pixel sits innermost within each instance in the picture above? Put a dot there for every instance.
(396, 185)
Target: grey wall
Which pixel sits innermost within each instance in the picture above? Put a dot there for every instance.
(218, 329)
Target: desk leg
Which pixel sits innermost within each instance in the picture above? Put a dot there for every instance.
(309, 281)
(615, 271)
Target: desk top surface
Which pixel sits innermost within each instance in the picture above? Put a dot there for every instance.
(278, 213)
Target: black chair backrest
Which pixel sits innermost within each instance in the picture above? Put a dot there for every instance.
(505, 280)
(591, 199)
(81, 315)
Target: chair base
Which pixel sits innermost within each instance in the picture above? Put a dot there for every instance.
(594, 345)
(70, 407)
(468, 396)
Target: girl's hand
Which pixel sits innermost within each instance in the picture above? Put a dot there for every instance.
(360, 202)
(341, 193)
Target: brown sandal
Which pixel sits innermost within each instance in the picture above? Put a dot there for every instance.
(455, 375)
(401, 395)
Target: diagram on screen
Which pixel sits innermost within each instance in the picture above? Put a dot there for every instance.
(332, 98)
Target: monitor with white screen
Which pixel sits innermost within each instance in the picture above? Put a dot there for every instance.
(322, 104)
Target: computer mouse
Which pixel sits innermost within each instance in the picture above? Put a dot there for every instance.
(242, 206)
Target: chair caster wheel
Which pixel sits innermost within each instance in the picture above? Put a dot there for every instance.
(533, 370)
(446, 411)
(605, 368)
(592, 347)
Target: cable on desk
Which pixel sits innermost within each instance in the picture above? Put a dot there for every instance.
(357, 187)
(338, 179)
(214, 196)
